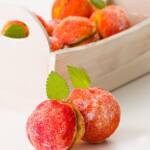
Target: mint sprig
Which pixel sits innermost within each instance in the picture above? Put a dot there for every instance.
(56, 87)
(99, 3)
(79, 77)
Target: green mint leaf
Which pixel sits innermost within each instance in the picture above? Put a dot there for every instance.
(79, 77)
(98, 3)
(56, 87)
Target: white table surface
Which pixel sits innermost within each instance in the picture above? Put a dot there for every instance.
(134, 98)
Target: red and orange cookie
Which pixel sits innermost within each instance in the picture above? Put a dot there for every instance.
(99, 108)
(73, 30)
(110, 20)
(55, 126)
(100, 111)
(65, 8)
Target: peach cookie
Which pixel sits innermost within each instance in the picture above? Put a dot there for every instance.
(73, 30)
(110, 20)
(99, 108)
(65, 8)
(55, 125)
(15, 29)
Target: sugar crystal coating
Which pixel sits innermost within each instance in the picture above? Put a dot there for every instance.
(100, 111)
(52, 126)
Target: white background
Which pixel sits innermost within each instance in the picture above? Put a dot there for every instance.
(42, 7)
